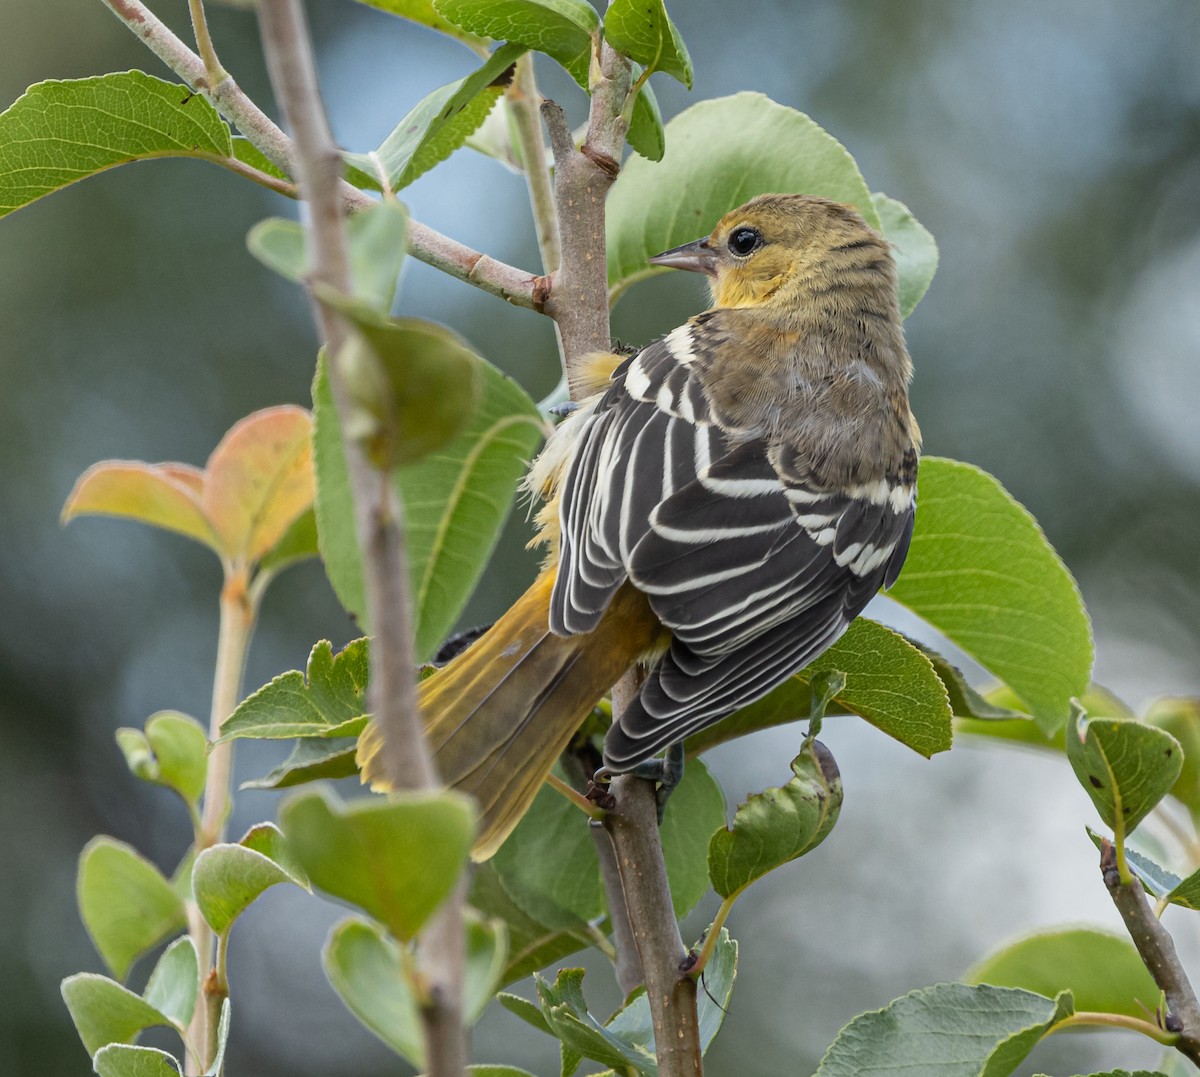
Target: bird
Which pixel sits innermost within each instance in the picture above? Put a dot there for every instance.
(718, 510)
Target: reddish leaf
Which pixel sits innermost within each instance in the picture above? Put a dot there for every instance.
(259, 479)
(165, 495)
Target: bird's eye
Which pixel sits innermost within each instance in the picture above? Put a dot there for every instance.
(744, 241)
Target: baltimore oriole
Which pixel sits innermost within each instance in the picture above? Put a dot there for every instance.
(720, 510)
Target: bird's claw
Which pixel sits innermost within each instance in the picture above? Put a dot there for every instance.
(666, 773)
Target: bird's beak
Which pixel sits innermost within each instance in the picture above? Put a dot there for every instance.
(696, 256)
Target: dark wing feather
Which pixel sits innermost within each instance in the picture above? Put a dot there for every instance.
(754, 572)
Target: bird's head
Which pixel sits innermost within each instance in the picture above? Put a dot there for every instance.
(779, 247)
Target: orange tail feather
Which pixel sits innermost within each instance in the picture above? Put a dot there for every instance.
(499, 715)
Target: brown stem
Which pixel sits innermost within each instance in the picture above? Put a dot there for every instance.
(514, 285)
(671, 992)
(1157, 950)
(405, 756)
(578, 300)
(627, 965)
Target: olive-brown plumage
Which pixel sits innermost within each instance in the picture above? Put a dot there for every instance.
(720, 510)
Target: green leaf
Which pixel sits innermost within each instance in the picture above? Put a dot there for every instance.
(249, 154)
(712, 1001)
(980, 570)
(227, 878)
(1126, 766)
(179, 750)
(59, 132)
(1156, 879)
(369, 972)
(397, 859)
(440, 122)
(126, 904)
(889, 682)
(376, 239)
(315, 759)
(525, 1010)
(217, 1067)
(486, 957)
(562, 29)
(777, 825)
(646, 133)
(373, 978)
(104, 1012)
(720, 154)
(566, 1013)
(913, 248)
(425, 13)
(695, 810)
(1102, 971)
(1181, 718)
(531, 944)
(327, 700)
(123, 1060)
(965, 701)
(548, 865)
(174, 983)
(950, 1029)
(643, 31)
(455, 503)
(1022, 729)
(633, 1024)
(1187, 892)
(414, 386)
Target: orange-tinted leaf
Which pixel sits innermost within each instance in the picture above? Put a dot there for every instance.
(165, 495)
(259, 479)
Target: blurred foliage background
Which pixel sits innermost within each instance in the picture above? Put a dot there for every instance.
(1054, 152)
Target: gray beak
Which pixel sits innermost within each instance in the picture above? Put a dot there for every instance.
(696, 256)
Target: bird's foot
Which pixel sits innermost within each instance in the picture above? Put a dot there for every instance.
(666, 772)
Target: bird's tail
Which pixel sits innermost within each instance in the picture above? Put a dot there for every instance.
(499, 715)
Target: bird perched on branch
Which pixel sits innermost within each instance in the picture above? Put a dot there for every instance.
(720, 510)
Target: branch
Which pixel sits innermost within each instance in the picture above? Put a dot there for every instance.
(1157, 950)
(393, 699)
(671, 992)
(424, 243)
(578, 300)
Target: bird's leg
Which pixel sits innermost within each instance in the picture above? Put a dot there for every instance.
(667, 772)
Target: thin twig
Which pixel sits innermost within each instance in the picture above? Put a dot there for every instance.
(700, 963)
(214, 72)
(1088, 1019)
(1157, 950)
(239, 608)
(509, 283)
(405, 756)
(524, 103)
